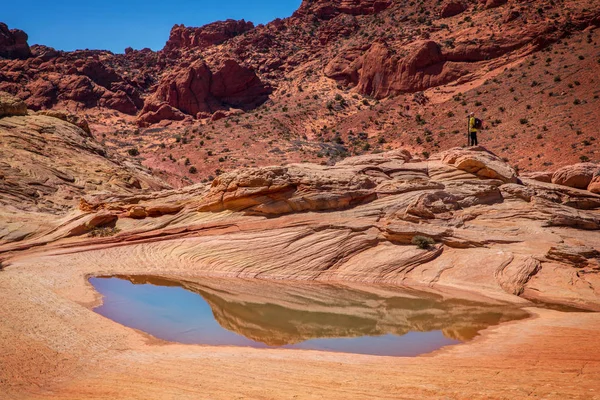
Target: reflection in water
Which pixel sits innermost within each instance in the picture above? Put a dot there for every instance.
(243, 312)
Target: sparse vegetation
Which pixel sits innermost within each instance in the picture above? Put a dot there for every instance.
(104, 231)
(422, 242)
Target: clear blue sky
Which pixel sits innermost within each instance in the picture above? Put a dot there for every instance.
(116, 24)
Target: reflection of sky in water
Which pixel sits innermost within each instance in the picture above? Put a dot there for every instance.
(177, 315)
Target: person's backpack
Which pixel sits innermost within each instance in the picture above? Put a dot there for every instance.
(478, 123)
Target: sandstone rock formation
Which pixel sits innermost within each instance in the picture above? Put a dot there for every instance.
(198, 89)
(577, 176)
(47, 163)
(13, 43)
(182, 37)
(495, 235)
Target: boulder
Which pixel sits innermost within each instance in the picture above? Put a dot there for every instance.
(137, 212)
(68, 117)
(494, 3)
(480, 162)
(218, 115)
(155, 113)
(577, 176)
(451, 8)
(594, 185)
(11, 105)
(510, 15)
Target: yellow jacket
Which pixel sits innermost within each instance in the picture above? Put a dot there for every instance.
(472, 125)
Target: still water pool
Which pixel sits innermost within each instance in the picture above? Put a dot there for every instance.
(240, 312)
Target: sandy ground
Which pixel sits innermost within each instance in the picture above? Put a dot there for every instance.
(53, 346)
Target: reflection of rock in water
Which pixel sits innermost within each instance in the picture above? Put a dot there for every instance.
(277, 313)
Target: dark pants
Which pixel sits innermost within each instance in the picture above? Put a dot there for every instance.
(473, 139)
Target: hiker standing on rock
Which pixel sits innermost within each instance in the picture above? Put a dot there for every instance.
(474, 125)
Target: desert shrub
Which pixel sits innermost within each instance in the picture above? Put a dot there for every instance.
(104, 231)
(193, 170)
(134, 152)
(523, 121)
(422, 242)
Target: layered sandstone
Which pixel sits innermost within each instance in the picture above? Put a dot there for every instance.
(495, 235)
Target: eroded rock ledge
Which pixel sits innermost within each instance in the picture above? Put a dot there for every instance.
(495, 234)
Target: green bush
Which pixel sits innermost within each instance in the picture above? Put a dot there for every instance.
(104, 231)
(422, 242)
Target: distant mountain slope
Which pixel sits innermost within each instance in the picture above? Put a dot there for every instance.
(339, 78)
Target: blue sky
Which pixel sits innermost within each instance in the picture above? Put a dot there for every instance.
(116, 24)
